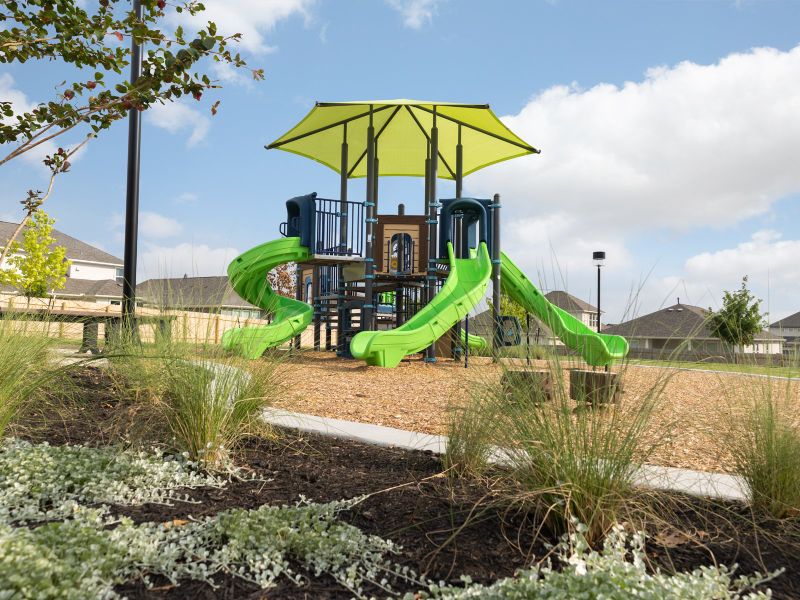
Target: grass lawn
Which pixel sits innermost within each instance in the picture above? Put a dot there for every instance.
(775, 371)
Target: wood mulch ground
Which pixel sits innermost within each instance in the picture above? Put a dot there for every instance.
(695, 408)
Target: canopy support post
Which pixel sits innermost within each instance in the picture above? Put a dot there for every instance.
(459, 236)
(341, 312)
(430, 352)
(367, 312)
(498, 332)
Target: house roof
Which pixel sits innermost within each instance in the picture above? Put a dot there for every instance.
(790, 321)
(191, 292)
(75, 249)
(103, 288)
(679, 321)
(568, 302)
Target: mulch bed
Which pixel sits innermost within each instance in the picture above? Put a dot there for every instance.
(446, 528)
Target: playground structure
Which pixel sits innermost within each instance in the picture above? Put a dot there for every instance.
(389, 286)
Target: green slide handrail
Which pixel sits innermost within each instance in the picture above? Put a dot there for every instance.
(597, 349)
(465, 287)
(248, 277)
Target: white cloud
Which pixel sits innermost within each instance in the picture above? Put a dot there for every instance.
(20, 104)
(177, 117)
(154, 225)
(689, 146)
(187, 198)
(252, 18)
(415, 13)
(189, 259)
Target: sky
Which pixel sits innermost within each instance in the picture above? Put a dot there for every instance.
(669, 130)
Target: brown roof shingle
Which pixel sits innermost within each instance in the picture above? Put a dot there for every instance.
(679, 321)
(191, 292)
(790, 321)
(76, 249)
(568, 302)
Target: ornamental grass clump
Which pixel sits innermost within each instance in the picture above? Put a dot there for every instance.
(209, 405)
(207, 399)
(764, 440)
(572, 461)
(25, 368)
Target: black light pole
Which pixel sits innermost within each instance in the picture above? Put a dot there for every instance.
(132, 196)
(599, 257)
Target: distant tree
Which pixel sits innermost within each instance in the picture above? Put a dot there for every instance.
(510, 307)
(740, 319)
(282, 279)
(36, 265)
(88, 40)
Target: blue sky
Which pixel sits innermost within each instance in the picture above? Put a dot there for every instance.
(667, 139)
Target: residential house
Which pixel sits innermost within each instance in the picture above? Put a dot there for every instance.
(789, 329)
(481, 324)
(93, 274)
(684, 328)
(580, 309)
(199, 294)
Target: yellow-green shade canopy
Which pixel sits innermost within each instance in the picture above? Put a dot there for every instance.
(402, 132)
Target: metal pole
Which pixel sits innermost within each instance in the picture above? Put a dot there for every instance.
(341, 311)
(343, 220)
(528, 338)
(430, 352)
(598, 298)
(459, 165)
(458, 232)
(367, 313)
(495, 206)
(132, 195)
(298, 295)
(466, 346)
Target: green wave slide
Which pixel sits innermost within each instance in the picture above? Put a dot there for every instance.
(465, 287)
(247, 274)
(597, 349)
(476, 343)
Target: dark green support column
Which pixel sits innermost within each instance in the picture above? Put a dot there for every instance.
(495, 207)
(342, 313)
(430, 352)
(368, 310)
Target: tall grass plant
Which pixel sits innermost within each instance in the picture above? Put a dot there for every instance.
(573, 461)
(26, 367)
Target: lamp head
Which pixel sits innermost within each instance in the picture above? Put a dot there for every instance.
(599, 257)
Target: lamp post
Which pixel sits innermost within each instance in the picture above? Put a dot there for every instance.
(599, 258)
(132, 195)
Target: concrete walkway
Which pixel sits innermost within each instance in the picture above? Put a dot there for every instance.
(688, 481)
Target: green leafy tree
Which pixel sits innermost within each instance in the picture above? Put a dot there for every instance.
(37, 265)
(739, 319)
(510, 307)
(91, 41)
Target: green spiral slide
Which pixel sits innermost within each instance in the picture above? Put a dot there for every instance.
(465, 287)
(247, 274)
(597, 349)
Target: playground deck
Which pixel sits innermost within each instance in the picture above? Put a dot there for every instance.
(415, 396)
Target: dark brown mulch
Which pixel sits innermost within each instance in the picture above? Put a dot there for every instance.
(446, 529)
